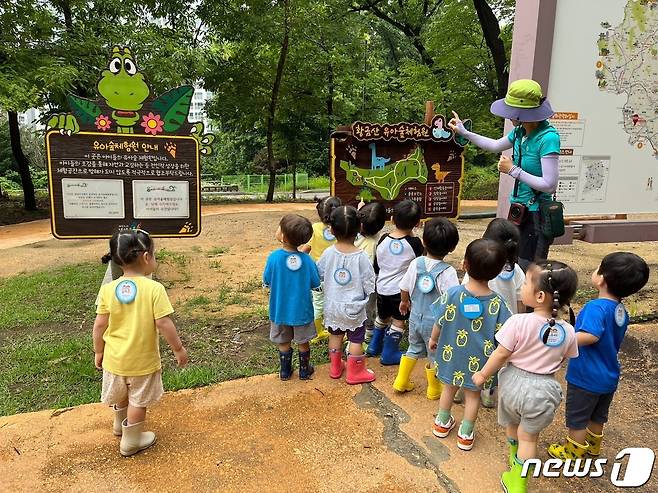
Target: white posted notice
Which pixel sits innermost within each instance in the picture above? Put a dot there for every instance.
(92, 198)
(161, 199)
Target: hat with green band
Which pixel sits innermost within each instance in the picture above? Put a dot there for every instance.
(524, 102)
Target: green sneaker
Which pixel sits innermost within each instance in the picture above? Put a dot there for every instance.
(512, 481)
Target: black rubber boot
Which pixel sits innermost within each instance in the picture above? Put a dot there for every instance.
(285, 358)
(305, 367)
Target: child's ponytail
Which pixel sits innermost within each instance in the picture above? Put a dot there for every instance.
(506, 233)
(326, 206)
(561, 282)
(127, 245)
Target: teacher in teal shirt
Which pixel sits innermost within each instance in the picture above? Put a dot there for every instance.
(534, 163)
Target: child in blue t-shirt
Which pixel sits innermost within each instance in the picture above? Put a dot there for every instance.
(593, 376)
(291, 275)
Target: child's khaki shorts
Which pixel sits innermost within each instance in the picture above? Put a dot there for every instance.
(141, 391)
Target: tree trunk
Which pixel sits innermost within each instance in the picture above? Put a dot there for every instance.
(330, 96)
(273, 100)
(294, 180)
(29, 199)
(491, 31)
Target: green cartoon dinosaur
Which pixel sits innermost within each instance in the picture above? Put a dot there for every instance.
(124, 94)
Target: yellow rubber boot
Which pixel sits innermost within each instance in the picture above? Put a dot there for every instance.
(594, 441)
(402, 383)
(434, 386)
(570, 450)
(321, 331)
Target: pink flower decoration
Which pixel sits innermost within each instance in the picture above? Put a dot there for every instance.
(152, 123)
(103, 123)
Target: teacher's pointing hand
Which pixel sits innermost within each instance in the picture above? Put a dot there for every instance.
(456, 125)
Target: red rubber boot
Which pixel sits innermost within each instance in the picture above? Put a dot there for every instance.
(357, 371)
(337, 364)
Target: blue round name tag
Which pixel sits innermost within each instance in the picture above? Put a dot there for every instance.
(342, 276)
(471, 308)
(620, 315)
(126, 291)
(552, 336)
(294, 262)
(506, 275)
(425, 284)
(396, 247)
(327, 235)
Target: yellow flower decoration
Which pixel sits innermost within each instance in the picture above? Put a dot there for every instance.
(462, 338)
(498, 327)
(458, 378)
(489, 383)
(476, 324)
(488, 348)
(447, 353)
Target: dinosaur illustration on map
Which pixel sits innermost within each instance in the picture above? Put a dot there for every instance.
(389, 180)
(375, 161)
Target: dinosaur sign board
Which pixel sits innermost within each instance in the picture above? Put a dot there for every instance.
(127, 159)
(393, 162)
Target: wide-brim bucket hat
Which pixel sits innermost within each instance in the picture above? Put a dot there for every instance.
(524, 103)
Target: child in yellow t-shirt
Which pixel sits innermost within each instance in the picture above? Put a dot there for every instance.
(321, 239)
(131, 311)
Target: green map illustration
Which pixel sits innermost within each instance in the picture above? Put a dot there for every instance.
(389, 180)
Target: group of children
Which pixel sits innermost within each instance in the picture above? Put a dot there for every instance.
(341, 278)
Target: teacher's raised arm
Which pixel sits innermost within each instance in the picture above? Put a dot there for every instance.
(533, 165)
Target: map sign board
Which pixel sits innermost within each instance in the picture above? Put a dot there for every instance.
(393, 162)
(604, 86)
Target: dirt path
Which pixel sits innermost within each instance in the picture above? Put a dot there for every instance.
(261, 434)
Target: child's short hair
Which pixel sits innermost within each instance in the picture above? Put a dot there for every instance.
(406, 214)
(326, 206)
(624, 273)
(440, 236)
(372, 217)
(296, 229)
(484, 259)
(127, 245)
(552, 276)
(506, 233)
(345, 223)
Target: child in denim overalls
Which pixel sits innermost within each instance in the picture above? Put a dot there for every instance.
(427, 278)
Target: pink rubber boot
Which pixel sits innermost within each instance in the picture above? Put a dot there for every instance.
(337, 364)
(357, 371)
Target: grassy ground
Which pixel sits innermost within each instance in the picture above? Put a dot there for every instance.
(46, 356)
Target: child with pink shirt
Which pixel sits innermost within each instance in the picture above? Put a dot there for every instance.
(534, 346)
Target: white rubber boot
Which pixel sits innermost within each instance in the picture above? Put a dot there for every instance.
(119, 416)
(134, 439)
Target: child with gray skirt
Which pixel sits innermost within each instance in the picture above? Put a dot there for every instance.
(534, 346)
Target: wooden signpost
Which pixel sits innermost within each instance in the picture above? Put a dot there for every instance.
(126, 160)
(392, 162)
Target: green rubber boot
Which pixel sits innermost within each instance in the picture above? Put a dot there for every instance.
(512, 481)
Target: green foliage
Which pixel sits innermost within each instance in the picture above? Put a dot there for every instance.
(173, 106)
(85, 110)
(480, 183)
